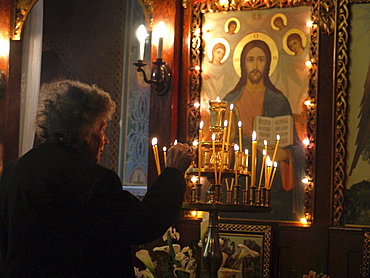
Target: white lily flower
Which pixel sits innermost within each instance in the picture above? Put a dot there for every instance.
(224, 272)
(172, 231)
(145, 273)
(143, 255)
(247, 251)
(244, 253)
(166, 248)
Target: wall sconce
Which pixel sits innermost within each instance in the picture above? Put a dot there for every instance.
(161, 74)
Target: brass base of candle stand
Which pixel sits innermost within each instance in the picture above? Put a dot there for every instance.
(226, 207)
(210, 173)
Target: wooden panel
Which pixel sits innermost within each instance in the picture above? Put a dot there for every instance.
(294, 251)
(345, 252)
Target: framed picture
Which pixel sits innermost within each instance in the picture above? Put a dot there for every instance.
(255, 243)
(352, 135)
(222, 36)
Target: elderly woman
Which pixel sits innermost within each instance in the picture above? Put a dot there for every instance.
(64, 215)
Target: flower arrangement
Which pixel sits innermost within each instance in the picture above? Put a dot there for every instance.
(170, 260)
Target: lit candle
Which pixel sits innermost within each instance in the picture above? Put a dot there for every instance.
(262, 168)
(229, 126)
(236, 149)
(156, 157)
(273, 175)
(246, 158)
(164, 155)
(214, 156)
(240, 135)
(276, 147)
(254, 159)
(200, 148)
(175, 142)
(141, 35)
(268, 171)
(222, 147)
(265, 144)
(161, 30)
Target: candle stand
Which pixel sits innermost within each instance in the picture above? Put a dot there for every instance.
(212, 255)
(221, 162)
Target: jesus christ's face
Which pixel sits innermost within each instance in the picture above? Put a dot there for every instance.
(255, 63)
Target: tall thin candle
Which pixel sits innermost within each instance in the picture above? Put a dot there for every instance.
(240, 135)
(262, 169)
(273, 175)
(230, 124)
(200, 148)
(268, 171)
(236, 149)
(246, 158)
(155, 152)
(254, 159)
(214, 156)
(276, 147)
(164, 155)
(222, 148)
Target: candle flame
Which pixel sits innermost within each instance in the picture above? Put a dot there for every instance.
(201, 124)
(240, 124)
(265, 142)
(225, 123)
(246, 151)
(264, 152)
(278, 137)
(231, 107)
(236, 147)
(175, 142)
(161, 29)
(275, 164)
(213, 137)
(154, 141)
(306, 142)
(254, 135)
(218, 99)
(196, 105)
(164, 149)
(141, 33)
(268, 161)
(195, 143)
(194, 179)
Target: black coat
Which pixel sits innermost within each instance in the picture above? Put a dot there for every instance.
(65, 216)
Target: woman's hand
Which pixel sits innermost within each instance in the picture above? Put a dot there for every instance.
(180, 156)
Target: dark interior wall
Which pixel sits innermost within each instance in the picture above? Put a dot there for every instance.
(81, 41)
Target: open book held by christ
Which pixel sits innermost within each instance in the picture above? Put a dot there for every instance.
(267, 128)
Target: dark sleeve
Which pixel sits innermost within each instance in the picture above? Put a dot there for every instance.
(118, 213)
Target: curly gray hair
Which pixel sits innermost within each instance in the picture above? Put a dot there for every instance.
(68, 111)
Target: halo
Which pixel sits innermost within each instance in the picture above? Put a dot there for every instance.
(226, 26)
(253, 37)
(283, 16)
(293, 31)
(212, 44)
